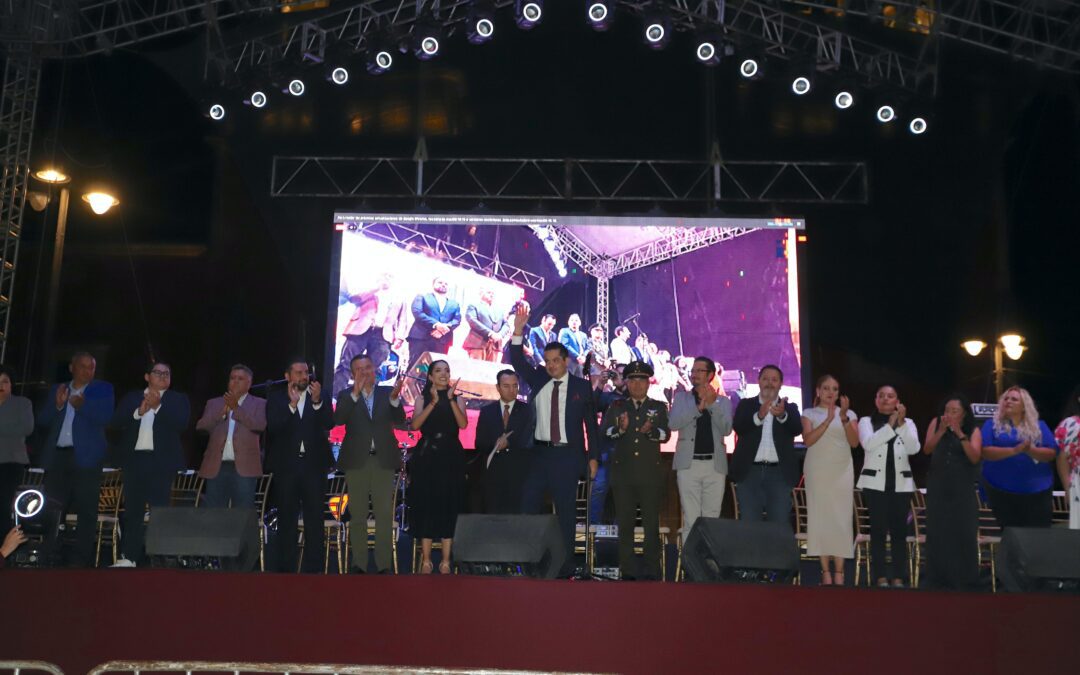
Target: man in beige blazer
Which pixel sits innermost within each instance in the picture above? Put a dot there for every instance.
(232, 462)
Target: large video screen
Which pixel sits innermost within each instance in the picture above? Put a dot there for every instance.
(412, 288)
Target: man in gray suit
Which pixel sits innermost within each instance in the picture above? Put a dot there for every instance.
(487, 329)
(702, 418)
(369, 456)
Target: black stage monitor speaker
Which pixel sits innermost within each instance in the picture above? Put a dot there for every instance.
(191, 538)
(508, 545)
(1039, 559)
(736, 551)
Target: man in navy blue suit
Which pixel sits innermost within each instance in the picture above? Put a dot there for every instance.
(565, 428)
(298, 423)
(150, 422)
(436, 315)
(504, 437)
(75, 415)
(576, 342)
(541, 336)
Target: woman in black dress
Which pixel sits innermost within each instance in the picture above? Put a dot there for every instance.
(437, 469)
(951, 508)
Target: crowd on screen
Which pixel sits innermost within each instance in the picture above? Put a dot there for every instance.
(538, 447)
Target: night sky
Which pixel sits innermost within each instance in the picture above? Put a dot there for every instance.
(225, 273)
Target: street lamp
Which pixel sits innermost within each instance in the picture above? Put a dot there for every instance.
(1011, 345)
(100, 202)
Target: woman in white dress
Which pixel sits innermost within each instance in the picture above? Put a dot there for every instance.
(830, 430)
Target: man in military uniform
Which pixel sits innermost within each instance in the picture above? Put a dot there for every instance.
(638, 426)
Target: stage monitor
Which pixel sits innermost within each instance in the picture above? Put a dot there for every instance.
(405, 289)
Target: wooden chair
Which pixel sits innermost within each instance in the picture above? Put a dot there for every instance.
(262, 490)
(186, 489)
(989, 538)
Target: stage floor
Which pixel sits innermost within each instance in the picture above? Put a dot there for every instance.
(78, 619)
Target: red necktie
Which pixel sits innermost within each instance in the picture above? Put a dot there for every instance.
(555, 436)
(506, 414)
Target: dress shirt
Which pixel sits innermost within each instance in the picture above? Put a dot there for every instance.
(299, 410)
(766, 451)
(440, 300)
(620, 351)
(502, 407)
(369, 401)
(145, 441)
(228, 454)
(543, 409)
(66, 440)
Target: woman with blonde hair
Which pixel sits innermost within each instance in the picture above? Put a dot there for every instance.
(830, 430)
(1018, 452)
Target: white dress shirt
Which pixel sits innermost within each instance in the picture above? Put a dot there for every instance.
(440, 299)
(766, 451)
(620, 351)
(145, 441)
(228, 454)
(66, 439)
(543, 409)
(299, 410)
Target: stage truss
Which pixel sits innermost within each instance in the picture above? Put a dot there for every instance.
(486, 180)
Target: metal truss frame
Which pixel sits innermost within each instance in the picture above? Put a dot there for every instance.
(18, 106)
(571, 180)
(407, 237)
(1044, 33)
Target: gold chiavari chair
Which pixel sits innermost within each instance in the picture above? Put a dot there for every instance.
(187, 488)
(802, 518)
(917, 541)
(110, 497)
(262, 490)
(861, 516)
(332, 529)
(584, 531)
(1060, 508)
(989, 538)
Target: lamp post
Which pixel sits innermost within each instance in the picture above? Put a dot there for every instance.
(1010, 345)
(100, 202)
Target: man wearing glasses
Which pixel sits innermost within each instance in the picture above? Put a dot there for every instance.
(702, 417)
(150, 423)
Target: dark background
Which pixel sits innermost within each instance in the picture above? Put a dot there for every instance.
(970, 229)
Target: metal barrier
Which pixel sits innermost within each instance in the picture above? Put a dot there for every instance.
(17, 667)
(238, 667)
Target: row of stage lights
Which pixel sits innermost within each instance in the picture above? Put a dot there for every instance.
(710, 49)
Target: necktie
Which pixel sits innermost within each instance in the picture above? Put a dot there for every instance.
(506, 414)
(555, 436)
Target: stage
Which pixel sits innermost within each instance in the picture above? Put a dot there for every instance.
(78, 619)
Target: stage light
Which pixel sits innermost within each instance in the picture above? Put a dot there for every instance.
(296, 87)
(257, 99)
(527, 13)
(379, 60)
(339, 75)
(973, 347)
(657, 25)
(427, 35)
(800, 85)
(751, 68)
(480, 22)
(28, 504)
(100, 202)
(885, 114)
(216, 112)
(844, 99)
(918, 126)
(599, 13)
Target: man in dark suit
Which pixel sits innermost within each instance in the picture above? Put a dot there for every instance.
(764, 467)
(232, 462)
(150, 422)
(639, 425)
(504, 437)
(576, 342)
(540, 337)
(298, 423)
(565, 427)
(75, 415)
(487, 329)
(436, 315)
(369, 457)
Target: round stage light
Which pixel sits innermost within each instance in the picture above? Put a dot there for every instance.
(800, 85)
(384, 60)
(705, 52)
(339, 75)
(598, 12)
(429, 46)
(532, 12)
(217, 112)
(885, 114)
(748, 68)
(844, 100)
(917, 126)
(654, 33)
(296, 87)
(28, 504)
(258, 99)
(485, 28)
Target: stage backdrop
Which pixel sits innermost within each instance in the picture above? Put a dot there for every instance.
(725, 288)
